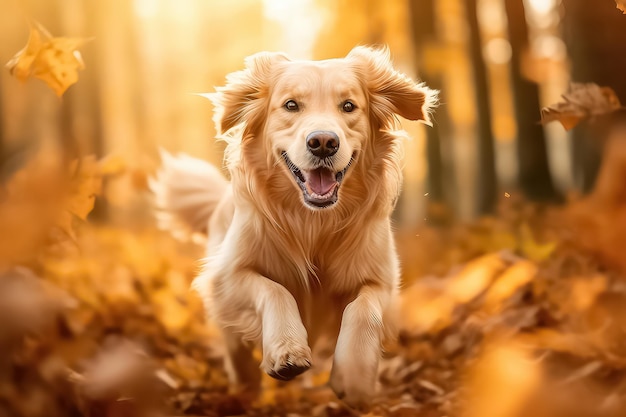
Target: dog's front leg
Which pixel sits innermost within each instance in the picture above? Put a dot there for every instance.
(358, 350)
(286, 353)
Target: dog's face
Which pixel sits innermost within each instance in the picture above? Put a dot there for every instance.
(317, 121)
(315, 118)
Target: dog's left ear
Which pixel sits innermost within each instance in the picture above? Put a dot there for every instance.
(392, 92)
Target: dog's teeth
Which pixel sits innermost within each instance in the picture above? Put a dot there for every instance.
(327, 195)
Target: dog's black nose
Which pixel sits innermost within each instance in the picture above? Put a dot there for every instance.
(322, 143)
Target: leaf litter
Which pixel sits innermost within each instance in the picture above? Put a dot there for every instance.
(101, 321)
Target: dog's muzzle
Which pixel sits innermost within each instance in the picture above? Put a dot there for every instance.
(320, 186)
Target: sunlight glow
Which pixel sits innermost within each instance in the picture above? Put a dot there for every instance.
(497, 51)
(146, 9)
(300, 21)
(541, 6)
(549, 47)
(541, 14)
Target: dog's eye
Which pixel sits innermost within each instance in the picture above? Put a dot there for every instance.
(291, 105)
(348, 106)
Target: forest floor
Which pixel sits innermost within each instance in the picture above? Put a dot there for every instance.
(522, 313)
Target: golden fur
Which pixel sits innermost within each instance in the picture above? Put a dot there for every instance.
(279, 272)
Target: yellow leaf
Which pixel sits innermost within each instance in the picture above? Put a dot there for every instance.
(58, 62)
(55, 61)
(532, 249)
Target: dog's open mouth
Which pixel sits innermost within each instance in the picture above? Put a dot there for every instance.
(320, 186)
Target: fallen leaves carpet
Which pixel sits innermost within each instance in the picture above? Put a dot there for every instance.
(508, 316)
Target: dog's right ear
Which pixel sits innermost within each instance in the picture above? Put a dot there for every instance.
(243, 95)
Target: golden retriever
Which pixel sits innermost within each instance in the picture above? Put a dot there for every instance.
(300, 242)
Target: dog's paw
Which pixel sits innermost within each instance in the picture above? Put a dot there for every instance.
(353, 389)
(287, 360)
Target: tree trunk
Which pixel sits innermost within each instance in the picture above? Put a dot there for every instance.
(422, 23)
(535, 180)
(595, 35)
(488, 185)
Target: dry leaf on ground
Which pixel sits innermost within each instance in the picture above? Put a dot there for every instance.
(429, 304)
(582, 101)
(55, 61)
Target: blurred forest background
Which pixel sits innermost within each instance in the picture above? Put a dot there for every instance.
(510, 231)
(496, 62)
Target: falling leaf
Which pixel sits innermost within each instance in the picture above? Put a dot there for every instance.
(55, 61)
(582, 101)
(621, 4)
(58, 63)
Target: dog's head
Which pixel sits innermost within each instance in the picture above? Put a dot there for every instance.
(316, 118)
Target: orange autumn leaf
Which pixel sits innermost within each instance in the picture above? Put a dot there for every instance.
(87, 184)
(507, 284)
(55, 61)
(429, 304)
(581, 102)
(621, 4)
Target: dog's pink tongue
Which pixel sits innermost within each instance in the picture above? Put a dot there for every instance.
(321, 180)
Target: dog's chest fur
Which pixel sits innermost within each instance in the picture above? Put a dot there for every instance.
(313, 254)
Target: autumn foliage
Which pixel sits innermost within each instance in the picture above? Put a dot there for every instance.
(521, 313)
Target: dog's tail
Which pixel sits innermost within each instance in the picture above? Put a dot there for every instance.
(186, 192)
